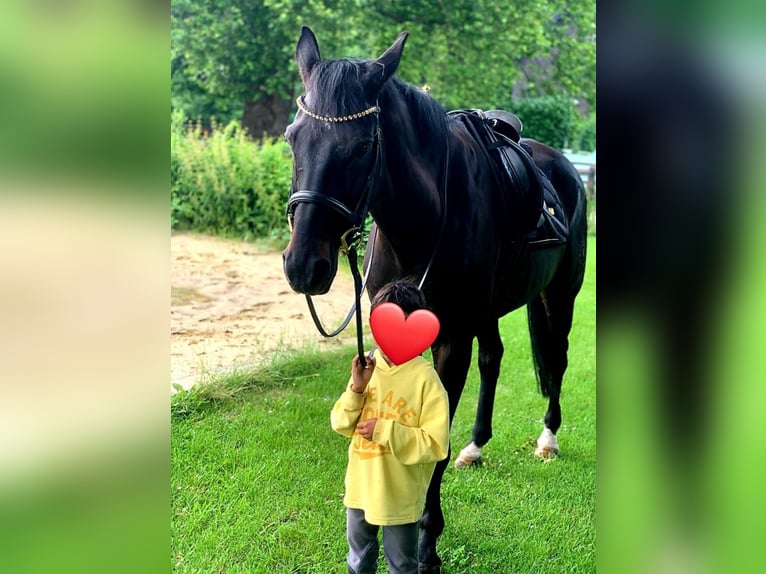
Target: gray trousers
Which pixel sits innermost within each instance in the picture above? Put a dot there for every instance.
(400, 545)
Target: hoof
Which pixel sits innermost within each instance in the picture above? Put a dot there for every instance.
(546, 452)
(547, 445)
(428, 560)
(467, 463)
(469, 456)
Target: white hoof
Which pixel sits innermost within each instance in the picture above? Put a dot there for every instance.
(469, 456)
(547, 445)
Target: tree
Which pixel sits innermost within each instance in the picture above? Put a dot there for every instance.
(477, 53)
(236, 56)
(239, 53)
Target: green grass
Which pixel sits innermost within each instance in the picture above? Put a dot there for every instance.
(257, 473)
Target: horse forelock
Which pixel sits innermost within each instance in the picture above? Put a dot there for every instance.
(337, 87)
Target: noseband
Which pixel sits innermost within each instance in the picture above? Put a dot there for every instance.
(356, 217)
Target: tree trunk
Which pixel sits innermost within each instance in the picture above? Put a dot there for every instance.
(267, 116)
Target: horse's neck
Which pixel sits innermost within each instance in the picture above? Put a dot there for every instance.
(409, 210)
(425, 186)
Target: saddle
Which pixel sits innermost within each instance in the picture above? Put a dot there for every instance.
(531, 204)
(505, 123)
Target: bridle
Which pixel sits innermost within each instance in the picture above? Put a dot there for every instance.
(356, 217)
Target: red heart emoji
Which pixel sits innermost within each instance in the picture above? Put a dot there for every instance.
(400, 338)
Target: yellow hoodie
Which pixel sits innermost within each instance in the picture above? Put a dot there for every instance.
(388, 476)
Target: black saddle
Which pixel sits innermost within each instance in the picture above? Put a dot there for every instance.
(531, 203)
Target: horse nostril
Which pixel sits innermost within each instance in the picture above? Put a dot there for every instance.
(312, 276)
(320, 274)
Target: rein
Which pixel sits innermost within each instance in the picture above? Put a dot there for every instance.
(356, 217)
(351, 237)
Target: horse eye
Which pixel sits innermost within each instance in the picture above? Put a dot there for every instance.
(362, 149)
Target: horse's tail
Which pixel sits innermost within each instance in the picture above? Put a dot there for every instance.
(542, 344)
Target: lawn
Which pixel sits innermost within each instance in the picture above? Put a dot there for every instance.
(257, 473)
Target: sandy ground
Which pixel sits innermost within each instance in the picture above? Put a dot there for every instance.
(231, 306)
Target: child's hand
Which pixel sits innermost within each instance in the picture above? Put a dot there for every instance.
(361, 375)
(366, 428)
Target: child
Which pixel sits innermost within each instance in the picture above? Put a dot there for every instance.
(398, 419)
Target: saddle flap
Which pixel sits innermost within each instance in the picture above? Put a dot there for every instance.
(553, 227)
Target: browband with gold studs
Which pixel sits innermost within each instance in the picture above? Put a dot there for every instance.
(356, 116)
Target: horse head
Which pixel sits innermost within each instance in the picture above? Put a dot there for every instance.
(337, 148)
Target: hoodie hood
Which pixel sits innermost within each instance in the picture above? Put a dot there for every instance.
(384, 367)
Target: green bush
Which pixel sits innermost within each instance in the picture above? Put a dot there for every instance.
(584, 133)
(224, 183)
(548, 119)
(555, 121)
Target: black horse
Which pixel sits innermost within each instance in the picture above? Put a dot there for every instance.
(365, 140)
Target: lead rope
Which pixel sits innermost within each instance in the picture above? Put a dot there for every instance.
(350, 247)
(357, 306)
(358, 288)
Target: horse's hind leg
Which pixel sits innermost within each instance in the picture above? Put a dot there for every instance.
(490, 356)
(550, 320)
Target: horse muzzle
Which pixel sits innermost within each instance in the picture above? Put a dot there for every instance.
(307, 271)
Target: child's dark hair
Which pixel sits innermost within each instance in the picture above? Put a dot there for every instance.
(403, 293)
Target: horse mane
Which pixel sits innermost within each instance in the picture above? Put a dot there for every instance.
(428, 117)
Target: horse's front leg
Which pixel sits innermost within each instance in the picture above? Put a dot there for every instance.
(490, 357)
(451, 359)
(432, 523)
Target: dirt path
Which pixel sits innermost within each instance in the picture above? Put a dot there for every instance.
(231, 306)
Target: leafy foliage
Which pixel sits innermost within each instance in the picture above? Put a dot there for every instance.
(547, 119)
(224, 183)
(472, 54)
(228, 52)
(584, 133)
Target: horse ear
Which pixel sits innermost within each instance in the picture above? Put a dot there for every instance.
(306, 53)
(385, 66)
